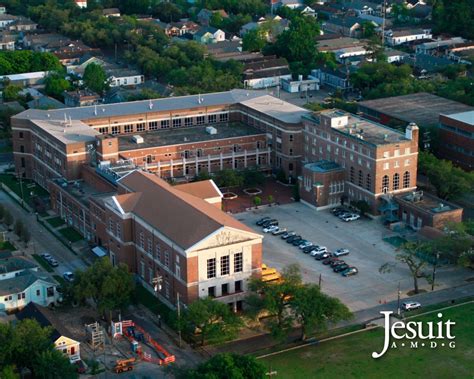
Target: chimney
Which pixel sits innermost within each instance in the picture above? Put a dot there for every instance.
(411, 132)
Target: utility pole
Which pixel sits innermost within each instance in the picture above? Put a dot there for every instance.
(434, 272)
(398, 301)
(320, 281)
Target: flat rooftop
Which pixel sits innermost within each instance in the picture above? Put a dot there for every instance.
(362, 129)
(465, 117)
(68, 132)
(421, 108)
(323, 166)
(430, 203)
(276, 108)
(339, 43)
(167, 137)
(81, 191)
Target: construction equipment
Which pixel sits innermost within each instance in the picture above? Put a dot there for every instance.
(123, 365)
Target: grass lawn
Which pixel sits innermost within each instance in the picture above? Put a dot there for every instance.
(351, 357)
(71, 234)
(42, 262)
(55, 221)
(7, 245)
(29, 187)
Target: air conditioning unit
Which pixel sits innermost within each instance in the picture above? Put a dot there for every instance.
(211, 130)
(137, 139)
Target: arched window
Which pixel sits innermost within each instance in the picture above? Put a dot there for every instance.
(368, 182)
(352, 175)
(396, 182)
(361, 179)
(385, 183)
(406, 179)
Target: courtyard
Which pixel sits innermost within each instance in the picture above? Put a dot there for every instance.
(368, 251)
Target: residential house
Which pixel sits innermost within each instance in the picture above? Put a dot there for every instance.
(81, 98)
(462, 53)
(346, 52)
(337, 79)
(7, 41)
(179, 29)
(45, 42)
(344, 26)
(300, 86)
(59, 336)
(22, 283)
(118, 76)
(45, 102)
(277, 26)
(395, 56)
(331, 45)
(292, 4)
(397, 37)
(204, 15)
(22, 24)
(438, 47)
(308, 11)
(208, 35)
(6, 19)
(74, 51)
(81, 3)
(25, 79)
(3, 9)
(425, 63)
(111, 12)
(265, 72)
(225, 50)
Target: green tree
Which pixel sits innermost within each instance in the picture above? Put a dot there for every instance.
(51, 364)
(273, 298)
(11, 92)
(95, 78)
(314, 309)
(257, 201)
(362, 206)
(270, 199)
(457, 242)
(253, 177)
(109, 287)
(228, 178)
(225, 366)
(212, 319)
(167, 12)
(2, 212)
(254, 40)
(414, 255)
(56, 85)
(9, 372)
(368, 29)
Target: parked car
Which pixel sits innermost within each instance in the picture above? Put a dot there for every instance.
(341, 252)
(305, 243)
(320, 257)
(270, 229)
(308, 249)
(328, 261)
(336, 262)
(339, 211)
(351, 217)
(68, 276)
(268, 223)
(350, 271)
(292, 238)
(262, 220)
(280, 231)
(47, 256)
(287, 235)
(410, 305)
(297, 241)
(340, 267)
(318, 250)
(53, 262)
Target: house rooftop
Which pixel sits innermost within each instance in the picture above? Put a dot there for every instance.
(323, 166)
(421, 108)
(176, 136)
(15, 264)
(21, 282)
(464, 117)
(339, 43)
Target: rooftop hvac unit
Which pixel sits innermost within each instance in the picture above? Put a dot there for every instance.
(137, 139)
(211, 130)
(104, 164)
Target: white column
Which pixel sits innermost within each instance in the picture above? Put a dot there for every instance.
(197, 165)
(171, 168)
(233, 159)
(159, 169)
(245, 158)
(209, 163)
(184, 166)
(222, 162)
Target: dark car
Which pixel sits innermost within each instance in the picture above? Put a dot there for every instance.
(340, 268)
(336, 262)
(262, 220)
(328, 261)
(292, 238)
(339, 211)
(287, 235)
(308, 249)
(350, 271)
(271, 222)
(297, 241)
(323, 256)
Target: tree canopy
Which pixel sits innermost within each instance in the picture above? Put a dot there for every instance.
(21, 61)
(95, 78)
(454, 17)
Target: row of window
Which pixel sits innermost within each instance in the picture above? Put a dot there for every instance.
(211, 291)
(165, 124)
(395, 181)
(224, 265)
(396, 164)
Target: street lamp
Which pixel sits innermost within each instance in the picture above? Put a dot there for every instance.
(434, 272)
(398, 300)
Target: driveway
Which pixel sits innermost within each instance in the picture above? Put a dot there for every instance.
(364, 238)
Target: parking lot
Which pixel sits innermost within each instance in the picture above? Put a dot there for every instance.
(368, 251)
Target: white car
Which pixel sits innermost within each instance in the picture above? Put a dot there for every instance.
(318, 250)
(279, 231)
(47, 256)
(305, 244)
(270, 229)
(341, 252)
(410, 305)
(351, 217)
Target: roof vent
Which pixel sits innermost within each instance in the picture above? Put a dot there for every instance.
(211, 130)
(150, 105)
(137, 139)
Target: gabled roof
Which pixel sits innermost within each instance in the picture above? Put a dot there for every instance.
(183, 218)
(21, 282)
(15, 264)
(204, 189)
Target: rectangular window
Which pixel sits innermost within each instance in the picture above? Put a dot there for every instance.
(153, 125)
(238, 286)
(50, 291)
(119, 230)
(141, 240)
(224, 117)
(176, 123)
(225, 289)
(211, 292)
(167, 289)
(149, 246)
(200, 120)
(165, 124)
(211, 268)
(158, 252)
(128, 128)
(212, 119)
(238, 262)
(150, 275)
(141, 127)
(386, 166)
(167, 258)
(38, 293)
(188, 121)
(103, 130)
(142, 269)
(115, 130)
(225, 266)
